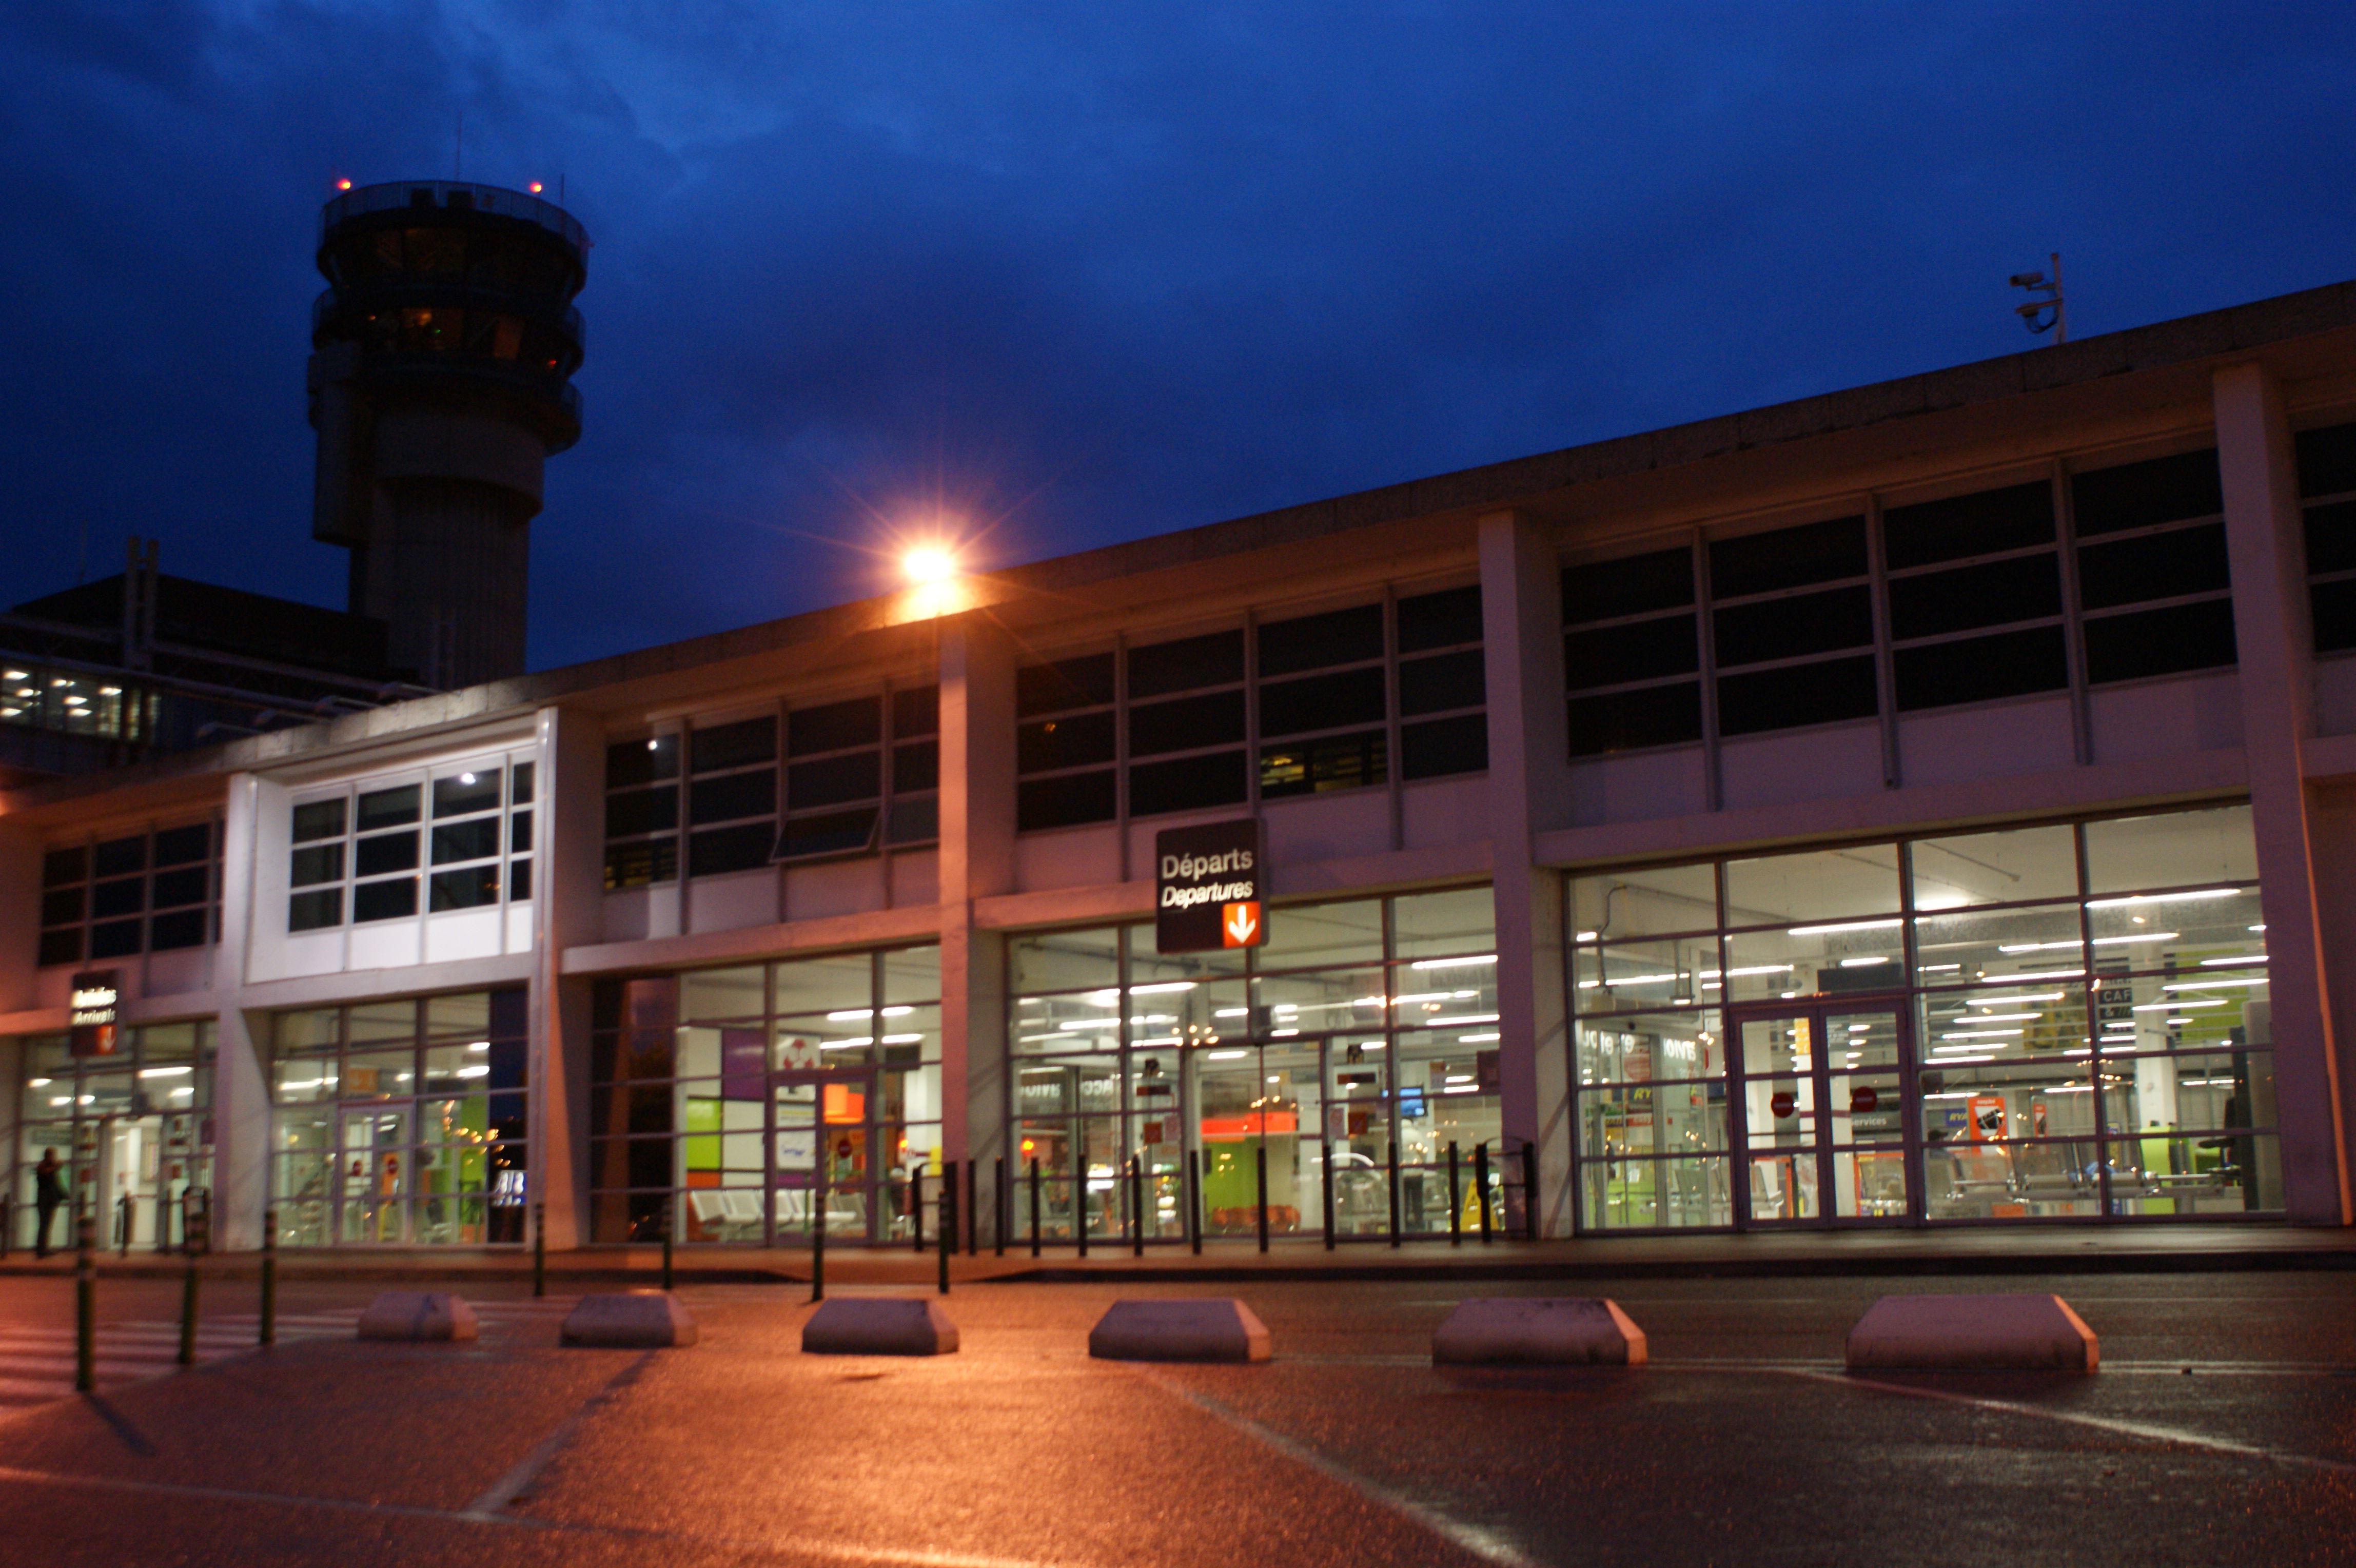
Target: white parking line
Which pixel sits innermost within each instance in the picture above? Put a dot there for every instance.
(1482, 1543)
(2144, 1430)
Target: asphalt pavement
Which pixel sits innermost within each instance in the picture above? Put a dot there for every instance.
(2221, 1429)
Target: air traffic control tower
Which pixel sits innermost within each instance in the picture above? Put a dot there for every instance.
(443, 350)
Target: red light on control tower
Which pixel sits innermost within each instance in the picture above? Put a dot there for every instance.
(343, 185)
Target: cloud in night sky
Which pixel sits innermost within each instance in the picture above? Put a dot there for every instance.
(1082, 272)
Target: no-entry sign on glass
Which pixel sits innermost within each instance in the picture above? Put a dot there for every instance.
(1207, 886)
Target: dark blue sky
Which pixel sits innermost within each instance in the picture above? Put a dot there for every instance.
(1084, 272)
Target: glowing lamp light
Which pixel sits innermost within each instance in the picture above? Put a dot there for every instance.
(343, 185)
(533, 188)
(928, 565)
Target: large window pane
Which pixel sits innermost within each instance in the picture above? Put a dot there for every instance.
(1628, 720)
(2016, 867)
(1977, 524)
(1065, 960)
(1814, 888)
(1666, 898)
(1651, 1048)
(2210, 848)
(1646, 973)
(1425, 926)
(837, 983)
(1958, 948)
(1323, 934)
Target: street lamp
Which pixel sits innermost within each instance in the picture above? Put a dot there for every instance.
(936, 580)
(929, 566)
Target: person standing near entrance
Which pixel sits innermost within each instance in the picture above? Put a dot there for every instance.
(49, 1194)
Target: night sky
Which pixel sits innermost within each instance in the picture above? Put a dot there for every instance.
(1075, 274)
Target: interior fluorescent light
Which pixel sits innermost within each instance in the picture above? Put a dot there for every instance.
(2163, 898)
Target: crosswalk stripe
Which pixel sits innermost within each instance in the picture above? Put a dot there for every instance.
(139, 1351)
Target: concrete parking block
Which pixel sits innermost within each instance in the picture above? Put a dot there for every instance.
(418, 1314)
(1199, 1328)
(1581, 1331)
(879, 1326)
(1973, 1333)
(632, 1320)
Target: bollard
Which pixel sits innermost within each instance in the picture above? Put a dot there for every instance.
(7, 1220)
(540, 1248)
(1080, 1204)
(971, 1210)
(1530, 1188)
(1455, 1201)
(1391, 1160)
(1194, 1200)
(1328, 1163)
(1136, 1206)
(162, 1221)
(1035, 1209)
(666, 1242)
(1260, 1166)
(816, 1219)
(188, 1312)
(266, 1324)
(916, 1207)
(85, 1303)
(998, 1205)
(948, 1225)
(123, 1225)
(1480, 1184)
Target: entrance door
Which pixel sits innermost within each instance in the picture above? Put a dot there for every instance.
(1820, 1112)
(823, 1149)
(371, 1154)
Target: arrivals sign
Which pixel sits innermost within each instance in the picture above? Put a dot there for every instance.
(1207, 887)
(95, 996)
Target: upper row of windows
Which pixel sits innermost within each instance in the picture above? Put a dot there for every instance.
(858, 774)
(358, 854)
(1958, 600)
(149, 892)
(1314, 700)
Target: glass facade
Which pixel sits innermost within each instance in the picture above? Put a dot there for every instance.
(1360, 1042)
(2043, 1021)
(134, 1125)
(401, 1123)
(746, 1103)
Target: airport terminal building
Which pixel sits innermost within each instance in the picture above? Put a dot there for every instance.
(1889, 809)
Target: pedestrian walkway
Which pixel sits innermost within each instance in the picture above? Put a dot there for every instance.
(37, 1364)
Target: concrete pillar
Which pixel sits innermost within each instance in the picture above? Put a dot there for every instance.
(2274, 645)
(977, 860)
(1521, 610)
(20, 889)
(240, 1112)
(568, 827)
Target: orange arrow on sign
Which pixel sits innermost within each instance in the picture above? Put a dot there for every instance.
(1239, 924)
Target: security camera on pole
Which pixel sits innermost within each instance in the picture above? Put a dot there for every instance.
(2058, 323)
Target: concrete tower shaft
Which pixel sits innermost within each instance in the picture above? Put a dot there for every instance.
(443, 350)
